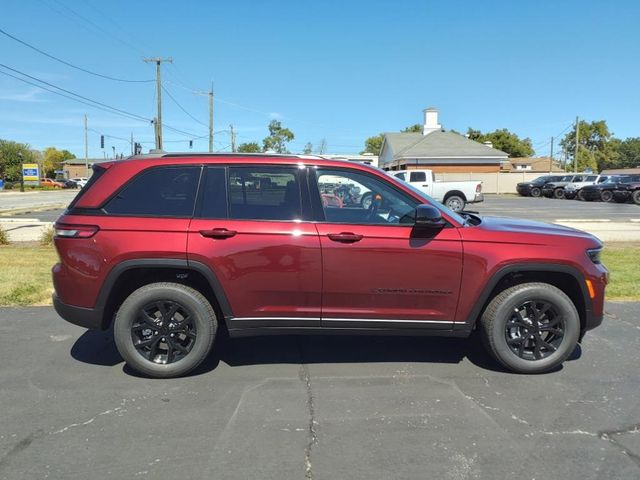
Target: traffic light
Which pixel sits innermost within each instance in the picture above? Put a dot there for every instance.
(190, 143)
(101, 141)
(137, 148)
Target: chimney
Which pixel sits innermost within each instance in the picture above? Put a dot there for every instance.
(431, 121)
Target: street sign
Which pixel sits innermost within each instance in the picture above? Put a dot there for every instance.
(31, 173)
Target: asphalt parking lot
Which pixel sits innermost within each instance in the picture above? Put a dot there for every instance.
(316, 407)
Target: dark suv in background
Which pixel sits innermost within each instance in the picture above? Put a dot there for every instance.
(170, 248)
(534, 187)
(604, 191)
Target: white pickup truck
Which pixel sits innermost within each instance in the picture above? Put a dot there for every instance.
(454, 195)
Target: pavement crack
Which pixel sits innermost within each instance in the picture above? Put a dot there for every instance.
(312, 436)
(611, 437)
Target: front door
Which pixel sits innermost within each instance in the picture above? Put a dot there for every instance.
(376, 272)
(250, 233)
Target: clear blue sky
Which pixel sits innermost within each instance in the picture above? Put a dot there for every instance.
(339, 70)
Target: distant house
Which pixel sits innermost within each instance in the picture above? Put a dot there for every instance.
(76, 167)
(538, 164)
(438, 150)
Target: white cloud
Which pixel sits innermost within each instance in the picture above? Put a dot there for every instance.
(32, 95)
(276, 115)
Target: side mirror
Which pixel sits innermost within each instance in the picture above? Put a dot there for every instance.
(428, 216)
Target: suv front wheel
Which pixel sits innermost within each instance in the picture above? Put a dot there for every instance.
(165, 330)
(531, 327)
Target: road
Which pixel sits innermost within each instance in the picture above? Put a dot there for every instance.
(316, 407)
(12, 200)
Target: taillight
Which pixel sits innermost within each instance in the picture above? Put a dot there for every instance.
(479, 188)
(75, 231)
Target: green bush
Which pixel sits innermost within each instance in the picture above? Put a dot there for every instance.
(47, 237)
(4, 237)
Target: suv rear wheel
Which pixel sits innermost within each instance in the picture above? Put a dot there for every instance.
(531, 328)
(165, 329)
(606, 196)
(636, 197)
(558, 192)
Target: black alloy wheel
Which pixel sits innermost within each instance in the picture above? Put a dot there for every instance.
(535, 330)
(536, 192)
(164, 332)
(606, 196)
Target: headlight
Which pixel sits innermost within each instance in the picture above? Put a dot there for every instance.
(594, 254)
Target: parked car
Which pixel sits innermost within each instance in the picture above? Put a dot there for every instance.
(628, 191)
(69, 184)
(169, 248)
(604, 191)
(50, 182)
(534, 187)
(555, 189)
(454, 195)
(80, 181)
(572, 190)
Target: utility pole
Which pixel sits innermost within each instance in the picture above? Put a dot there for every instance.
(551, 157)
(132, 146)
(575, 155)
(86, 147)
(210, 95)
(233, 138)
(158, 61)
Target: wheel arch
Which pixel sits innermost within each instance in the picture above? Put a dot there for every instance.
(130, 275)
(452, 193)
(565, 277)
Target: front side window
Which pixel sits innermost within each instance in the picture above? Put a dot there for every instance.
(357, 198)
(158, 191)
(264, 193)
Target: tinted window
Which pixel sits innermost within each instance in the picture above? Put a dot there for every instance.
(578, 178)
(352, 197)
(264, 193)
(160, 191)
(401, 176)
(214, 198)
(591, 178)
(418, 177)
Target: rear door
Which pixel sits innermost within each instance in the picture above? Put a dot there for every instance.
(250, 230)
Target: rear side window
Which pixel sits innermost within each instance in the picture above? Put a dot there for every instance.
(264, 193)
(401, 176)
(418, 177)
(159, 191)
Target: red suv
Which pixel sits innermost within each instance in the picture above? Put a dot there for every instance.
(171, 247)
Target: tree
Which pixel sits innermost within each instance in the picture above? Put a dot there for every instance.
(504, 140)
(415, 128)
(628, 151)
(278, 138)
(11, 161)
(308, 148)
(596, 149)
(249, 147)
(53, 159)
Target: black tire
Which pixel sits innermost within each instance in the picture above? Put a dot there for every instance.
(455, 203)
(606, 195)
(536, 192)
(636, 197)
(502, 327)
(580, 196)
(569, 195)
(558, 193)
(192, 325)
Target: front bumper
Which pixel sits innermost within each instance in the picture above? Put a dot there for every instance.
(84, 317)
(524, 190)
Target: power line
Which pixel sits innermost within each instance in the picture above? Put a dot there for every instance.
(53, 57)
(85, 100)
(181, 107)
(124, 112)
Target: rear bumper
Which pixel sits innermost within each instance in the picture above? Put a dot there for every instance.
(477, 199)
(84, 317)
